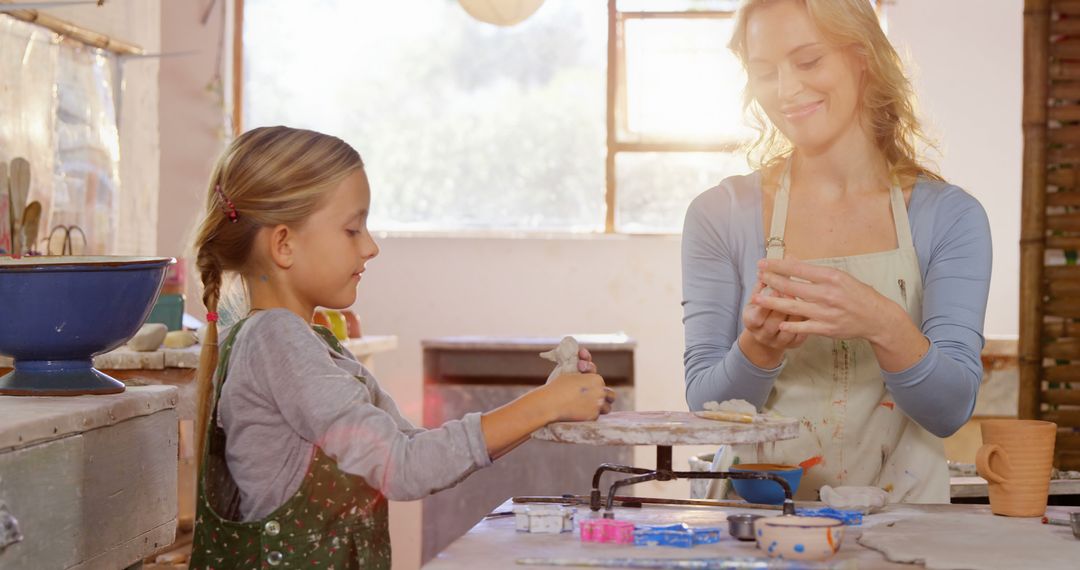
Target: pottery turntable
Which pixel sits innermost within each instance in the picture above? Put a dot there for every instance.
(663, 430)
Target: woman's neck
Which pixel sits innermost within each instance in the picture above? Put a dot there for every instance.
(850, 164)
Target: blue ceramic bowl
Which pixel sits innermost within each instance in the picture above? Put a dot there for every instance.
(60, 312)
(762, 490)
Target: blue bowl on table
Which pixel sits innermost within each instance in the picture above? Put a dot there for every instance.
(58, 312)
(764, 491)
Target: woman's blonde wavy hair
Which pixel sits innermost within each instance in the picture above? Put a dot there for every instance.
(269, 176)
(887, 99)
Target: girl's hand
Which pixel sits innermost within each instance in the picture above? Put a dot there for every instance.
(585, 364)
(578, 397)
(830, 302)
(763, 340)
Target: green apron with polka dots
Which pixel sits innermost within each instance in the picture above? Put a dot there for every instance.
(334, 520)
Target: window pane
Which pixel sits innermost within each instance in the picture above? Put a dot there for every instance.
(462, 125)
(656, 188)
(682, 82)
(677, 5)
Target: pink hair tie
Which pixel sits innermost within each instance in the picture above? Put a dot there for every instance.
(231, 208)
(212, 317)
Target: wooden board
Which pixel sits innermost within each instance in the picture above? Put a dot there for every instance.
(666, 428)
(32, 420)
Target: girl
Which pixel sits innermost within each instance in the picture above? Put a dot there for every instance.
(875, 343)
(300, 446)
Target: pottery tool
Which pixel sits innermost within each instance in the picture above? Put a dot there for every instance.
(18, 189)
(728, 416)
(5, 206)
(31, 218)
(637, 502)
(739, 563)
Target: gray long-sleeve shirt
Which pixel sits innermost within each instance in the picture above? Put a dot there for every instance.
(723, 240)
(286, 391)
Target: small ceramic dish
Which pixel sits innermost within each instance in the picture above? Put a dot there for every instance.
(741, 526)
(764, 491)
(799, 538)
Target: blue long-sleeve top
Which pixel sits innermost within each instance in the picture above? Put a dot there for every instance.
(723, 241)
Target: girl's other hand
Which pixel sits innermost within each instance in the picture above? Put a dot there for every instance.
(578, 397)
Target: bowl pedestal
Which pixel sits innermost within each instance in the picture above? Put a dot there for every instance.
(57, 378)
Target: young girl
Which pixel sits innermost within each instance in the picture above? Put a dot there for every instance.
(300, 448)
(875, 343)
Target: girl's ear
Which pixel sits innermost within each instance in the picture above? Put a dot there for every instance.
(281, 246)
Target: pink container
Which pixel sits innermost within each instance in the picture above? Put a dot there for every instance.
(607, 531)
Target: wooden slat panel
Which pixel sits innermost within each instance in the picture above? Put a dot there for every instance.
(1069, 308)
(1064, 373)
(1068, 70)
(1063, 242)
(1066, 460)
(1067, 26)
(1063, 418)
(1067, 49)
(1065, 7)
(1063, 349)
(1062, 178)
(1062, 397)
(1063, 272)
(1064, 135)
(1063, 222)
(1065, 90)
(1063, 198)
(1064, 113)
(1063, 288)
(1060, 328)
(1070, 440)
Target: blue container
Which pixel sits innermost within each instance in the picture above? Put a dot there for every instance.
(764, 491)
(60, 312)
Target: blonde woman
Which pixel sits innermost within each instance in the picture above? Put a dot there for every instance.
(843, 282)
(300, 447)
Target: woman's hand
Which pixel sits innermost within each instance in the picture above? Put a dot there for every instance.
(829, 302)
(763, 340)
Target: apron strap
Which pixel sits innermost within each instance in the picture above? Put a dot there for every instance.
(774, 246)
(900, 216)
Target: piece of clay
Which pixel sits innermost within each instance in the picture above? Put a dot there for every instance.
(149, 337)
(565, 357)
(866, 499)
(544, 519)
(179, 339)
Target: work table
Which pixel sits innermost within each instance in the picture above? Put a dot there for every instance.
(494, 543)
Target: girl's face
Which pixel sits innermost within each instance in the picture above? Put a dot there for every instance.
(809, 89)
(332, 246)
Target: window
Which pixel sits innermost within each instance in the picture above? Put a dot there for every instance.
(466, 126)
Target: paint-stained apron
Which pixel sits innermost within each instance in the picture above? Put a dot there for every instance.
(852, 432)
(335, 520)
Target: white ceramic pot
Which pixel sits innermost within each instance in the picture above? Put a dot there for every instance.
(799, 538)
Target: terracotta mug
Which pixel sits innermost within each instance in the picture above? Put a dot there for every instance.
(1015, 459)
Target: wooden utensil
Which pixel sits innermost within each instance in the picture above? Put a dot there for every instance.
(6, 217)
(18, 188)
(31, 219)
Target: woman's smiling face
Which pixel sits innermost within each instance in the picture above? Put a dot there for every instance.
(809, 88)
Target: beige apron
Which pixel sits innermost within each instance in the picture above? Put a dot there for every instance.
(852, 431)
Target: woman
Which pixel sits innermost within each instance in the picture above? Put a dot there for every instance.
(864, 319)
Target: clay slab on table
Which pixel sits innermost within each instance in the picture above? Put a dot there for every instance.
(667, 428)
